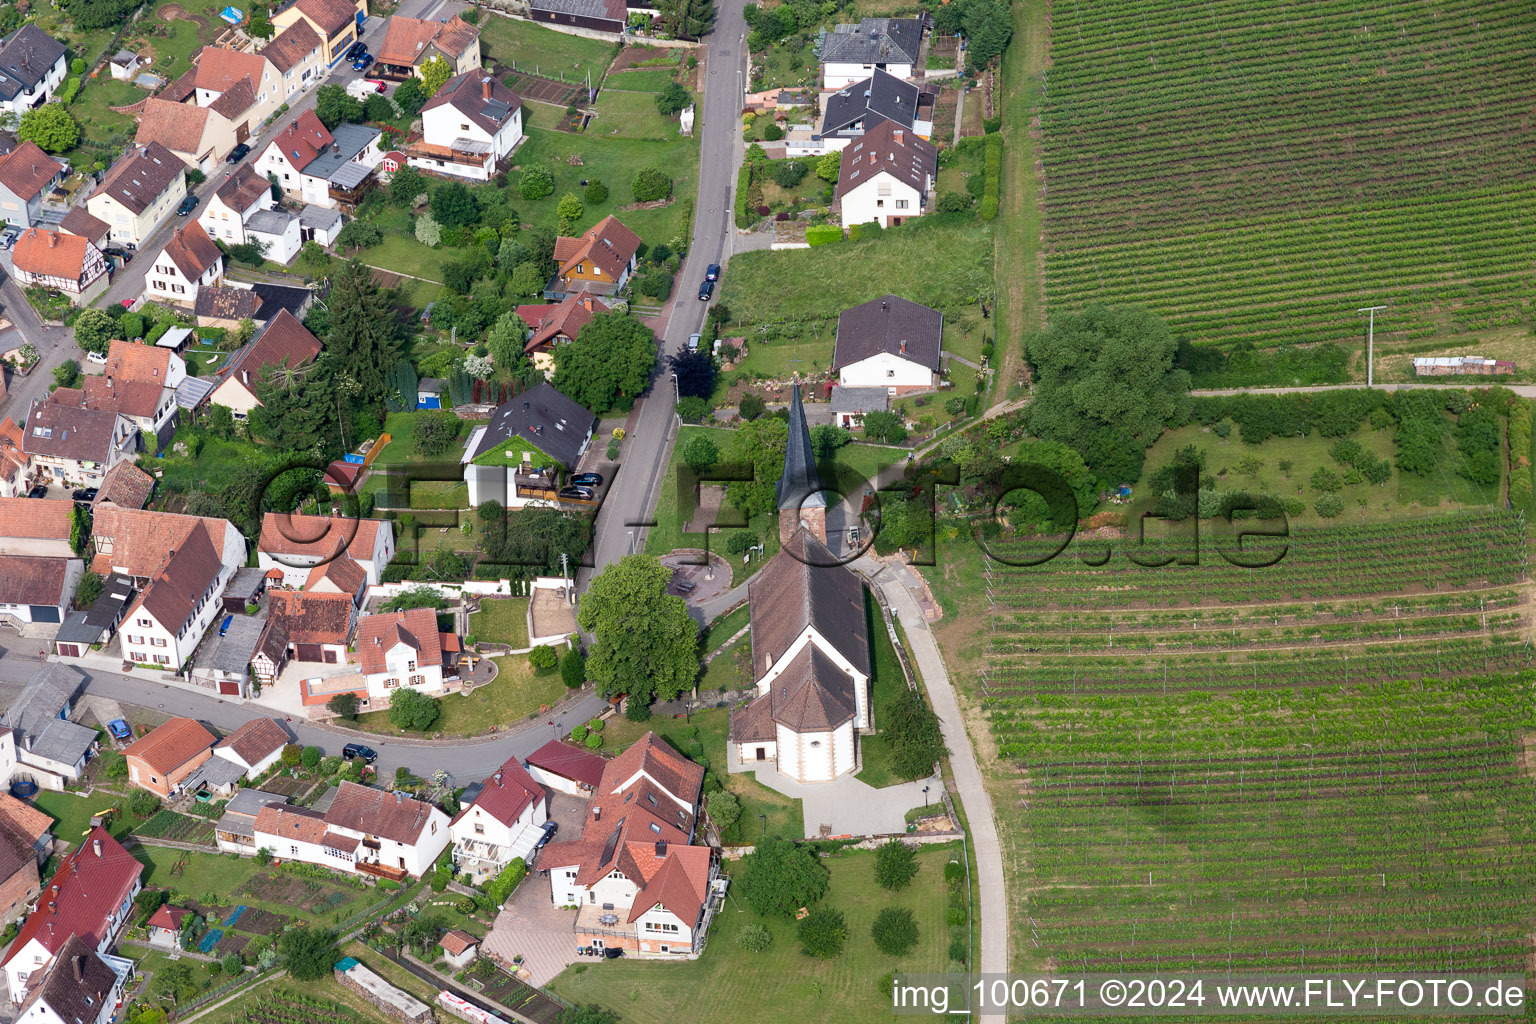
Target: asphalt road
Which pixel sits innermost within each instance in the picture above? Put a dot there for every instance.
(631, 501)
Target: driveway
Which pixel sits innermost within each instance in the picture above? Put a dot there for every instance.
(845, 806)
(529, 924)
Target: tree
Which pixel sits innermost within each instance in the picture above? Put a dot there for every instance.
(612, 356)
(894, 931)
(51, 127)
(378, 108)
(916, 740)
(409, 709)
(953, 202)
(88, 590)
(264, 856)
(885, 426)
(343, 705)
(66, 373)
(696, 373)
(291, 754)
(434, 72)
(93, 14)
(333, 106)
(650, 184)
(823, 933)
(411, 97)
(299, 409)
(895, 865)
(760, 443)
(310, 757)
(687, 18)
(143, 803)
(788, 173)
(365, 338)
(754, 938)
(724, 809)
(1106, 385)
(986, 24)
(505, 340)
(672, 98)
(94, 329)
(543, 658)
(750, 407)
(573, 669)
(829, 166)
(595, 192)
(358, 234)
(453, 206)
(232, 964)
(826, 439)
(308, 953)
(1329, 506)
(527, 279)
(700, 452)
(252, 253)
(536, 183)
(646, 644)
(569, 209)
(588, 1015)
(780, 878)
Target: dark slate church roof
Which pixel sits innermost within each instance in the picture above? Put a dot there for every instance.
(800, 485)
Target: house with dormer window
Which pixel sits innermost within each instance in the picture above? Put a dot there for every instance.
(502, 820)
(518, 457)
(32, 66)
(364, 831)
(405, 650)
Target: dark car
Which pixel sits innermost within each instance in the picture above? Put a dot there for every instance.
(40, 491)
(87, 494)
(706, 290)
(187, 205)
(550, 828)
(712, 273)
(239, 153)
(587, 480)
(362, 63)
(356, 50)
(580, 493)
(352, 750)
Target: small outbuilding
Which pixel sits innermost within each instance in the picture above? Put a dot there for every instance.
(459, 947)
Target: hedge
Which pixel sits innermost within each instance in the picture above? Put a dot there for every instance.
(500, 887)
(992, 170)
(823, 234)
(1520, 496)
(746, 214)
(857, 232)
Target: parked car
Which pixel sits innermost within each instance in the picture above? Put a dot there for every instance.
(187, 205)
(587, 480)
(550, 828)
(377, 83)
(712, 272)
(8, 236)
(356, 50)
(239, 153)
(87, 494)
(693, 341)
(706, 290)
(40, 491)
(580, 493)
(353, 750)
(99, 358)
(363, 62)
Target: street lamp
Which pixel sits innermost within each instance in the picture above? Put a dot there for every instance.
(925, 798)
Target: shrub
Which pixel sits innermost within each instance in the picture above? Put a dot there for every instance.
(788, 173)
(1325, 479)
(952, 202)
(594, 741)
(596, 192)
(773, 133)
(143, 803)
(309, 757)
(823, 933)
(650, 184)
(894, 931)
(746, 215)
(579, 734)
(672, 99)
(536, 183)
(895, 865)
(871, 229)
(656, 285)
(500, 887)
(754, 938)
(992, 171)
(573, 669)
(823, 234)
(543, 658)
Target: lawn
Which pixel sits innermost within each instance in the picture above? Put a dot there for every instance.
(640, 80)
(516, 693)
(401, 428)
(92, 108)
(667, 535)
(402, 254)
(631, 115)
(731, 669)
(501, 620)
(229, 876)
(728, 984)
(886, 683)
(781, 357)
(72, 813)
(536, 50)
(939, 261)
(215, 465)
(439, 494)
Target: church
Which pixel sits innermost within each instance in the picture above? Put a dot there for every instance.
(810, 638)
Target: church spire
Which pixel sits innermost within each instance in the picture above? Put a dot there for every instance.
(799, 488)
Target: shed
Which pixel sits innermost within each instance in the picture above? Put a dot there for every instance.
(98, 623)
(566, 768)
(244, 588)
(850, 404)
(175, 339)
(223, 662)
(429, 393)
(459, 947)
(317, 224)
(124, 65)
(392, 1001)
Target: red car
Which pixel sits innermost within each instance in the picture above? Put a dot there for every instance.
(378, 84)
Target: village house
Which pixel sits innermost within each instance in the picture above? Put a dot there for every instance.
(295, 544)
(27, 174)
(81, 986)
(331, 169)
(556, 324)
(851, 53)
(15, 465)
(245, 87)
(634, 876)
(126, 485)
(140, 190)
(405, 650)
(459, 948)
(319, 626)
(201, 137)
(889, 342)
(247, 646)
(64, 263)
(529, 441)
(298, 54)
(34, 66)
(161, 760)
(90, 896)
(566, 768)
(851, 404)
(599, 262)
(190, 261)
(504, 820)
(468, 127)
(886, 177)
(37, 589)
(74, 446)
(283, 342)
(235, 832)
(602, 15)
(38, 742)
(256, 745)
(240, 196)
(35, 528)
(78, 221)
(336, 22)
(225, 305)
(855, 109)
(409, 43)
(364, 831)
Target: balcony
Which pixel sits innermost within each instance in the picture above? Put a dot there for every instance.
(467, 152)
(370, 867)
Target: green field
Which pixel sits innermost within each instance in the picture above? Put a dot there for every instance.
(631, 115)
(535, 49)
(501, 620)
(729, 984)
(1260, 177)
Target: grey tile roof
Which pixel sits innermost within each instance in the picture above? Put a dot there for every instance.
(890, 325)
(43, 700)
(318, 217)
(800, 586)
(544, 418)
(881, 96)
(232, 652)
(246, 583)
(251, 801)
(63, 741)
(269, 222)
(859, 400)
(89, 626)
(874, 41)
(25, 60)
(217, 772)
(348, 141)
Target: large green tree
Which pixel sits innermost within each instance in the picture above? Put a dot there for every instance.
(780, 878)
(646, 644)
(687, 18)
(308, 953)
(50, 127)
(434, 73)
(453, 206)
(1105, 384)
(505, 340)
(613, 356)
(298, 411)
(333, 106)
(761, 444)
(365, 339)
(93, 330)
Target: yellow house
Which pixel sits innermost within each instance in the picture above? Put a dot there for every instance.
(141, 190)
(201, 136)
(598, 262)
(334, 21)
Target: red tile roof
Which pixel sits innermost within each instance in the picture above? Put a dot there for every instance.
(35, 519)
(51, 253)
(135, 360)
(168, 917)
(608, 244)
(219, 69)
(176, 126)
(193, 252)
(90, 884)
(330, 15)
(26, 170)
(457, 941)
(33, 579)
(255, 740)
(78, 221)
(570, 762)
(313, 618)
(140, 539)
(507, 793)
(291, 46)
(304, 139)
(391, 815)
(377, 635)
(284, 341)
(679, 886)
(563, 320)
(243, 188)
(171, 745)
(290, 822)
(127, 485)
(299, 534)
(130, 397)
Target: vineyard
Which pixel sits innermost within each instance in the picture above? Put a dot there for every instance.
(1255, 174)
(284, 1007)
(1316, 765)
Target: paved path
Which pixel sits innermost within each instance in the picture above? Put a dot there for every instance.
(845, 805)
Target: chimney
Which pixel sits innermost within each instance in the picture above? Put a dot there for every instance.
(497, 777)
(96, 848)
(79, 966)
(53, 239)
(335, 149)
(597, 814)
(661, 850)
(485, 88)
(899, 137)
(399, 796)
(903, 346)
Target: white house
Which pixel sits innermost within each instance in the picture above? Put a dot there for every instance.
(27, 175)
(504, 820)
(34, 65)
(405, 650)
(296, 543)
(851, 53)
(189, 261)
(516, 457)
(634, 876)
(283, 342)
(38, 589)
(140, 382)
(140, 190)
(277, 231)
(90, 898)
(365, 831)
(37, 739)
(566, 768)
(255, 746)
(242, 195)
(856, 108)
(891, 343)
(81, 986)
(468, 127)
(66, 263)
(246, 87)
(886, 177)
(319, 167)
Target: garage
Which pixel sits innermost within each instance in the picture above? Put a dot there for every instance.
(229, 688)
(69, 650)
(308, 652)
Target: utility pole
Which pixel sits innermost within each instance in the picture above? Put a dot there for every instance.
(1370, 343)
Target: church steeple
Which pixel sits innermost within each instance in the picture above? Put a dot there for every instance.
(799, 488)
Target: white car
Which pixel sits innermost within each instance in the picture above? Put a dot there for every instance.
(96, 357)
